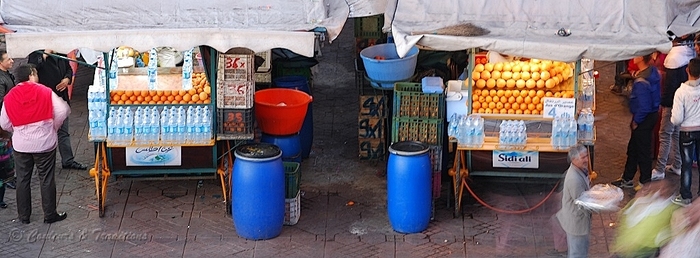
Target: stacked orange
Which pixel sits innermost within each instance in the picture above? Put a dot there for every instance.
(518, 87)
(528, 102)
(199, 94)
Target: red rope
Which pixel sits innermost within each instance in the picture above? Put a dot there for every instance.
(464, 182)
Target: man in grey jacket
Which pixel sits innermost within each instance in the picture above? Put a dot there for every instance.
(574, 219)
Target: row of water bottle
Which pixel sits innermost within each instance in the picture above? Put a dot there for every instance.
(469, 130)
(512, 133)
(148, 125)
(97, 112)
(564, 134)
(585, 125)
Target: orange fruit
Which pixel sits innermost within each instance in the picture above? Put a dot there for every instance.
(139, 99)
(488, 67)
(503, 99)
(500, 83)
(482, 99)
(493, 93)
(152, 93)
(557, 95)
(520, 84)
(120, 102)
(532, 93)
(507, 67)
(506, 106)
(511, 111)
(498, 67)
(490, 83)
(519, 99)
(549, 94)
(183, 102)
(539, 84)
(196, 97)
(160, 92)
(171, 98)
(485, 75)
(128, 102)
(128, 93)
(481, 83)
(535, 112)
(187, 97)
(484, 93)
(510, 84)
(523, 106)
(488, 99)
(178, 98)
(492, 105)
(207, 89)
(512, 99)
(535, 100)
(527, 112)
(476, 104)
(479, 68)
(499, 105)
(132, 98)
(549, 83)
(488, 111)
(540, 93)
(531, 106)
(182, 92)
(516, 68)
(144, 93)
(481, 110)
(124, 97)
(116, 98)
(527, 100)
(518, 112)
(525, 67)
(530, 84)
(496, 75)
(535, 76)
(160, 102)
(192, 91)
(539, 107)
(525, 75)
(476, 75)
(544, 75)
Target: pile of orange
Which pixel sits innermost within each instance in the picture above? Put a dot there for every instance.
(199, 94)
(531, 74)
(528, 102)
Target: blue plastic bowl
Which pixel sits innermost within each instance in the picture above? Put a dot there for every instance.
(384, 73)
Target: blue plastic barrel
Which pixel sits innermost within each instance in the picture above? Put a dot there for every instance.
(257, 191)
(408, 181)
(307, 129)
(289, 144)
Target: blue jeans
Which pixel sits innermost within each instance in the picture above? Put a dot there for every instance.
(669, 149)
(690, 148)
(578, 245)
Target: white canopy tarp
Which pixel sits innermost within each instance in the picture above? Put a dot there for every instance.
(600, 29)
(64, 25)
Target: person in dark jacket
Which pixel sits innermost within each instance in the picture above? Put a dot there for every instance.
(56, 74)
(644, 103)
(7, 81)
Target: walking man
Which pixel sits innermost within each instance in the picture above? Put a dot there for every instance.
(34, 114)
(644, 105)
(56, 73)
(575, 220)
(686, 114)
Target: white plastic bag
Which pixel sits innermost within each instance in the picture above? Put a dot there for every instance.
(168, 57)
(601, 197)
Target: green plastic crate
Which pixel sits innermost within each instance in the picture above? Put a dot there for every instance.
(428, 131)
(411, 102)
(292, 172)
(369, 27)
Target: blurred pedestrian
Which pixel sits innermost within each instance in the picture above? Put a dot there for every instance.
(34, 114)
(574, 219)
(685, 229)
(686, 114)
(644, 103)
(7, 82)
(675, 64)
(56, 73)
(645, 222)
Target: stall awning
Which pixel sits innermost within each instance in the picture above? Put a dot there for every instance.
(600, 30)
(259, 25)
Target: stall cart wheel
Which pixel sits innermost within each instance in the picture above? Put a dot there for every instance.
(101, 174)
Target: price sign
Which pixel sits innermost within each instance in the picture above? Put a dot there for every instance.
(554, 107)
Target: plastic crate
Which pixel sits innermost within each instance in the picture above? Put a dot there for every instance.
(292, 209)
(279, 71)
(411, 102)
(236, 65)
(369, 27)
(235, 94)
(292, 173)
(235, 121)
(428, 131)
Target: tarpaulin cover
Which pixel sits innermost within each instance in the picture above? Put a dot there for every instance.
(599, 29)
(259, 25)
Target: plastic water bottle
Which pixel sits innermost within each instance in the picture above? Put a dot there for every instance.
(589, 125)
(503, 133)
(181, 125)
(172, 123)
(478, 125)
(111, 125)
(154, 125)
(572, 132)
(556, 132)
(164, 126)
(585, 125)
(190, 126)
(452, 126)
(205, 125)
(587, 96)
(128, 126)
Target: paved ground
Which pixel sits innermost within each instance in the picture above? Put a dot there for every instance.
(181, 218)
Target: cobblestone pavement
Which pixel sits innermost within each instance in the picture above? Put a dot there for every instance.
(181, 218)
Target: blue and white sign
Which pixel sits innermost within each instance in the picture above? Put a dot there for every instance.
(516, 159)
(556, 107)
(154, 156)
